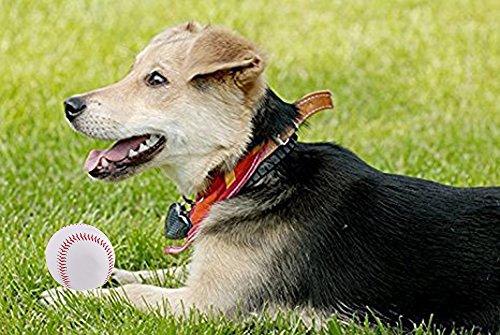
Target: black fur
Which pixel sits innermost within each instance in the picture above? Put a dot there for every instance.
(272, 117)
(399, 245)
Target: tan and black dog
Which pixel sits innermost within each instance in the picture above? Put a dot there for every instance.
(320, 231)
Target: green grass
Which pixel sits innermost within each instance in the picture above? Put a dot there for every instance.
(416, 88)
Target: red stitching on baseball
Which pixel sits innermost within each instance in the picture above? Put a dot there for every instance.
(62, 254)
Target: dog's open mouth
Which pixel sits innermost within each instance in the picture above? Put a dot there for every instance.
(123, 155)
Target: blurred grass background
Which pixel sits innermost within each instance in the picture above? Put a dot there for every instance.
(416, 89)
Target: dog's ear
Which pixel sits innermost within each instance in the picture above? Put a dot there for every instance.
(219, 52)
(193, 26)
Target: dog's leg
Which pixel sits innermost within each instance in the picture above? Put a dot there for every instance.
(123, 277)
(143, 297)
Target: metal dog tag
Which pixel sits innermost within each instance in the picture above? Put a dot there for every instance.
(177, 223)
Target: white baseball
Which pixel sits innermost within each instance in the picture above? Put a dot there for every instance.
(80, 257)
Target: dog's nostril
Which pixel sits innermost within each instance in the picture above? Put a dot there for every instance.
(73, 107)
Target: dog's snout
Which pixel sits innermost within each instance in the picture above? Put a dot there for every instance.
(73, 107)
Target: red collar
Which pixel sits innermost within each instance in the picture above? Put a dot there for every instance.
(227, 185)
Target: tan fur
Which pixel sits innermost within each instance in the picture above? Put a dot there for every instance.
(229, 67)
(221, 272)
(216, 79)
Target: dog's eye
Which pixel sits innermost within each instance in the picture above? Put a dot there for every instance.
(155, 79)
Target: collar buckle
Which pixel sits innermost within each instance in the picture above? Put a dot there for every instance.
(277, 139)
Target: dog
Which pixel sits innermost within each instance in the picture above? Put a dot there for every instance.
(322, 232)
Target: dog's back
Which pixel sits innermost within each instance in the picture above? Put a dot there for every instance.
(362, 238)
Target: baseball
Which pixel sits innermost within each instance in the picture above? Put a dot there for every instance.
(80, 257)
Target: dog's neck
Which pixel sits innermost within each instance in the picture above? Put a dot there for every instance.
(273, 144)
(271, 116)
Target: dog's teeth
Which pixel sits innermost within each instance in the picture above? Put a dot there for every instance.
(143, 147)
(104, 162)
(132, 153)
(152, 140)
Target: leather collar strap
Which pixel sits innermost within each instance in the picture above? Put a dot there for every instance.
(227, 185)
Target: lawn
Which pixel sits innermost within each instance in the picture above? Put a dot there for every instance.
(416, 89)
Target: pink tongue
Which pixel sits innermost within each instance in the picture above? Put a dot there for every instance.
(114, 154)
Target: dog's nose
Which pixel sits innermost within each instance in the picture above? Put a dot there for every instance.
(73, 107)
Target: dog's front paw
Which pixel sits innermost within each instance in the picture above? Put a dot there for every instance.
(61, 296)
(123, 277)
(55, 296)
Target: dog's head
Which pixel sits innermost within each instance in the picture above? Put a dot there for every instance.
(186, 105)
